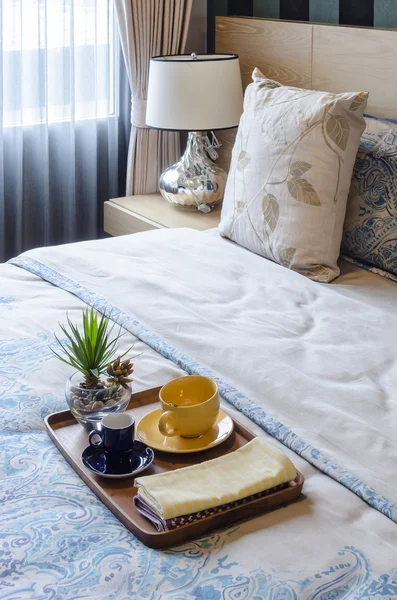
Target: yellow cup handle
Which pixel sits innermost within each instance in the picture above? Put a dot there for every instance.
(167, 424)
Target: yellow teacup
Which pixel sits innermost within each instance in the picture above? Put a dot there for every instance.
(190, 406)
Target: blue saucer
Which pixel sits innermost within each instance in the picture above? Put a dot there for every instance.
(125, 464)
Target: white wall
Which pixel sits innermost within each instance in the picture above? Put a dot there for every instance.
(197, 39)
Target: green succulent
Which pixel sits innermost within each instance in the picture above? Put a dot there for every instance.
(91, 350)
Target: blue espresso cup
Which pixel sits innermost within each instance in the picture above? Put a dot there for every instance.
(116, 435)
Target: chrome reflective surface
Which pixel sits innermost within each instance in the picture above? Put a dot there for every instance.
(195, 182)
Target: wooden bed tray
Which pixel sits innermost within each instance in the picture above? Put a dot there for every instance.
(71, 439)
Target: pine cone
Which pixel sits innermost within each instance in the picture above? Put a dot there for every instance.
(119, 372)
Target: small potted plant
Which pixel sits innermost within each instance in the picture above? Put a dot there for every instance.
(93, 352)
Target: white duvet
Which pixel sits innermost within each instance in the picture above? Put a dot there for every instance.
(318, 359)
(323, 364)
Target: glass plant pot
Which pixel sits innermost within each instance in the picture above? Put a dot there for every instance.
(89, 406)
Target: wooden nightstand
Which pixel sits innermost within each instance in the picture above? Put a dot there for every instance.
(141, 213)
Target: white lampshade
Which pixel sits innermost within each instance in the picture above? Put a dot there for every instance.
(189, 93)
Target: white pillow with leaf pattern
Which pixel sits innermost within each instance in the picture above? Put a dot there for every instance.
(290, 175)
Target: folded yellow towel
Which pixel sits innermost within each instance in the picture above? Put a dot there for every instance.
(251, 469)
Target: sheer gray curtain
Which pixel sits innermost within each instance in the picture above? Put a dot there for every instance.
(63, 135)
(149, 28)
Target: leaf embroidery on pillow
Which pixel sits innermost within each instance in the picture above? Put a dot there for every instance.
(243, 160)
(286, 256)
(319, 273)
(299, 168)
(275, 135)
(271, 211)
(303, 191)
(359, 100)
(338, 130)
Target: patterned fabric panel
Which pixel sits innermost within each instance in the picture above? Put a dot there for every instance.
(378, 13)
(370, 230)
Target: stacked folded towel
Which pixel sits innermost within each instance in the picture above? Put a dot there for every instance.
(185, 495)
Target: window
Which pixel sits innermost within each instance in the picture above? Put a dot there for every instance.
(58, 60)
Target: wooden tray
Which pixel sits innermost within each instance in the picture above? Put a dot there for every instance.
(71, 439)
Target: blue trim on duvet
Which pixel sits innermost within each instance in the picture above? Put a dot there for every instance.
(383, 120)
(246, 406)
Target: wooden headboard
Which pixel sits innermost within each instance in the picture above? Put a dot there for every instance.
(312, 56)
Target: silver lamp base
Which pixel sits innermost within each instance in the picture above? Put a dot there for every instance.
(195, 182)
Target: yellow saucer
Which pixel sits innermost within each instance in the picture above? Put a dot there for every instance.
(148, 432)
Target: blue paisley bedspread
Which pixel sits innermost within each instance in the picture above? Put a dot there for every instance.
(58, 542)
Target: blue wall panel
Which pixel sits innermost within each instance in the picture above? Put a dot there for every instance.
(385, 13)
(324, 12)
(267, 8)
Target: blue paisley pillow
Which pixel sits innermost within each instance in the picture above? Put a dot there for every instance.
(370, 229)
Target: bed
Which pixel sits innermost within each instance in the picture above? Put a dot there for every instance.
(310, 367)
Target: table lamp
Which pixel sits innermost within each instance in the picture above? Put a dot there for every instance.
(197, 94)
